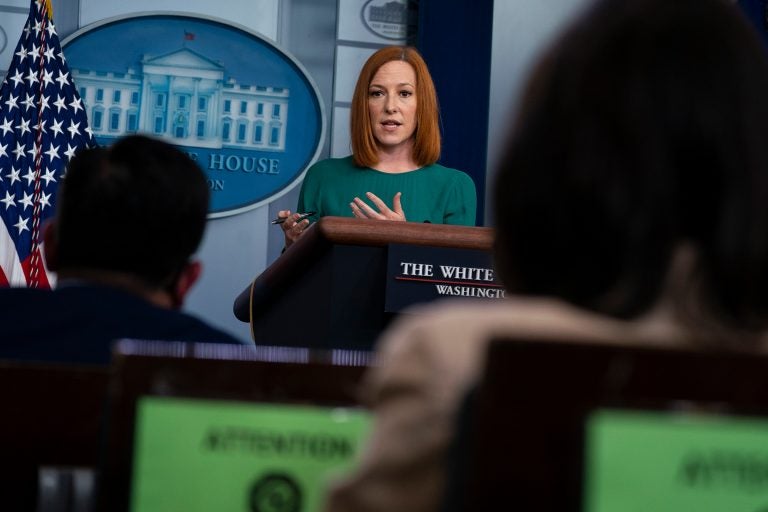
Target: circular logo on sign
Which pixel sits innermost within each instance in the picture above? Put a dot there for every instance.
(275, 492)
(390, 19)
(241, 107)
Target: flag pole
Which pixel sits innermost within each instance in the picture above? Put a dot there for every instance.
(36, 261)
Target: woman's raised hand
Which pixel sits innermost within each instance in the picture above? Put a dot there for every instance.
(362, 210)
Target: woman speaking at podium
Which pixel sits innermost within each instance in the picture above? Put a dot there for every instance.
(391, 174)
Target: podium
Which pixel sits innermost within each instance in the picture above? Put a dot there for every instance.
(327, 290)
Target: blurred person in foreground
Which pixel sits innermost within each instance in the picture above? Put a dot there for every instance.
(392, 173)
(128, 220)
(630, 208)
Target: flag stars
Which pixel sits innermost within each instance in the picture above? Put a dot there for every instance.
(17, 78)
(63, 78)
(53, 152)
(38, 27)
(9, 200)
(23, 127)
(45, 200)
(47, 77)
(29, 102)
(49, 56)
(23, 53)
(34, 151)
(26, 201)
(11, 102)
(31, 78)
(59, 104)
(21, 225)
(56, 128)
(48, 176)
(19, 151)
(13, 175)
(2, 149)
(76, 105)
(44, 103)
(73, 128)
(70, 152)
(30, 177)
(51, 31)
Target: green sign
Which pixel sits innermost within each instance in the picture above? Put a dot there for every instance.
(204, 455)
(673, 462)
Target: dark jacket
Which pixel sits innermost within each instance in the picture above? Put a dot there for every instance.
(79, 323)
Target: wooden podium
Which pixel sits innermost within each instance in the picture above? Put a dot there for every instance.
(328, 289)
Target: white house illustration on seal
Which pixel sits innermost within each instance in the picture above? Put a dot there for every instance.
(184, 98)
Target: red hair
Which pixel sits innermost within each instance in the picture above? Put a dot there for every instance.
(426, 147)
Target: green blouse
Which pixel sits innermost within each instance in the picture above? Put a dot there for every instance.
(433, 193)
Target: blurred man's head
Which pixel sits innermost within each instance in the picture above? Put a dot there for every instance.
(135, 212)
(641, 132)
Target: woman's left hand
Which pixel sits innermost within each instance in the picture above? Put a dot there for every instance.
(361, 210)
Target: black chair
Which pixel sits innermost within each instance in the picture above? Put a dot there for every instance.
(521, 435)
(52, 415)
(266, 375)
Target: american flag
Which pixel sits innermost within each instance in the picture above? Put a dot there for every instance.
(42, 124)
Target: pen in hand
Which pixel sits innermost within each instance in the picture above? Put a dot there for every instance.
(302, 216)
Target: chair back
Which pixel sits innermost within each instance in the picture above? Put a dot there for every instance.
(52, 415)
(563, 426)
(188, 421)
